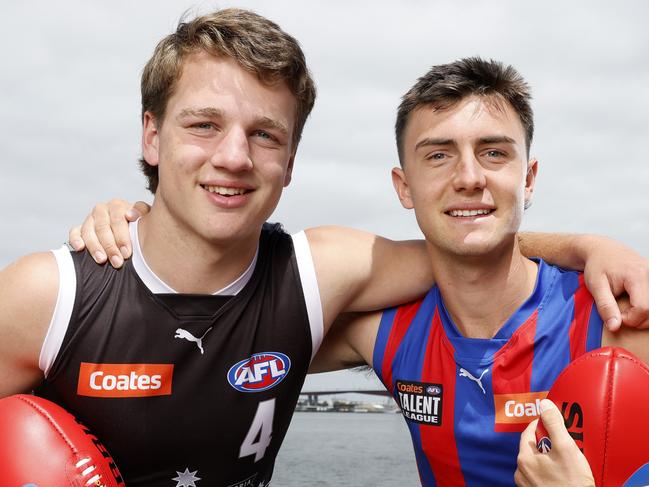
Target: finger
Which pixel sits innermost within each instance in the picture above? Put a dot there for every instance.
(638, 313)
(636, 318)
(104, 233)
(606, 305)
(140, 208)
(519, 478)
(92, 242)
(75, 240)
(527, 442)
(118, 209)
(526, 453)
(554, 424)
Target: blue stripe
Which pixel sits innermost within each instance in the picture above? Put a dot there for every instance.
(475, 436)
(595, 328)
(387, 319)
(408, 364)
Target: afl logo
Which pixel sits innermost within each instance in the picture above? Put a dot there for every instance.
(544, 445)
(260, 372)
(433, 390)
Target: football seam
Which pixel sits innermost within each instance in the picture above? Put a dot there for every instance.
(47, 416)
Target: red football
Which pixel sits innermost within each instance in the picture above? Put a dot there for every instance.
(43, 445)
(604, 399)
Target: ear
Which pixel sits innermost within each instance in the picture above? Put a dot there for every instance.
(530, 179)
(150, 140)
(289, 170)
(401, 187)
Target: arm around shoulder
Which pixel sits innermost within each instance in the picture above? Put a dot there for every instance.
(360, 271)
(28, 293)
(350, 343)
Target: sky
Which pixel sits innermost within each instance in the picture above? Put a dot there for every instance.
(70, 109)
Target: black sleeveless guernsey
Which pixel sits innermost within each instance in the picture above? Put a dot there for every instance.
(186, 390)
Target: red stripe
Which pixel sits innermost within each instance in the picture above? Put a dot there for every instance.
(579, 326)
(402, 319)
(438, 442)
(512, 368)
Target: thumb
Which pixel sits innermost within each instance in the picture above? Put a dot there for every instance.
(606, 304)
(553, 422)
(137, 210)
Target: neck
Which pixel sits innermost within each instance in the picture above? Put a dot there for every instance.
(482, 292)
(186, 261)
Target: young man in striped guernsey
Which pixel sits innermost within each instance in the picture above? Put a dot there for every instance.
(470, 362)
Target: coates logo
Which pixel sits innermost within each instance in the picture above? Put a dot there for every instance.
(514, 411)
(124, 380)
(259, 372)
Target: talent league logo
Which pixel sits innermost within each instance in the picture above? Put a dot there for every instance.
(420, 402)
(259, 372)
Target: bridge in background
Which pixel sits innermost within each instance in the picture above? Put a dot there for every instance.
(312, 396)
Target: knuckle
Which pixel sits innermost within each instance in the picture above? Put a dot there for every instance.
(102, 226)
(110, 248)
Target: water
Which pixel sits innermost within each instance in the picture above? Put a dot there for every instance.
(346, 449)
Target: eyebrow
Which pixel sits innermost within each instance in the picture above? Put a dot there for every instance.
(269, 123)
(497, 139)
(430, 141)
(201, 112)
(492, 139)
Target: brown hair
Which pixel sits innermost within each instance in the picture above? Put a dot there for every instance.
(446, 84)
(256, 43)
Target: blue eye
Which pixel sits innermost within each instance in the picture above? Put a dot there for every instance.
(204, 125)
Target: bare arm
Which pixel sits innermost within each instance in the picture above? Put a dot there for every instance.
(360, 271)
(610, 269)
(28, 291)
(349, 343)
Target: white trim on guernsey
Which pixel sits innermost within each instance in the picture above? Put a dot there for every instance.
(158, 286)
(309, 288)
(62, 310)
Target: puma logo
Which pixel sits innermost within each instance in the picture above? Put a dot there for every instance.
(467, 374)
(185, 335)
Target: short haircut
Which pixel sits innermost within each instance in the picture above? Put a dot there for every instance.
(256, 43)
(447, 84)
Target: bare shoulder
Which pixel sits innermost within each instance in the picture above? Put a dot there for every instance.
(28, 293)
(32, 280)
(332, 237)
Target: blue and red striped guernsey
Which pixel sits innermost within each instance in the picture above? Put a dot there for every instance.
(466, 400)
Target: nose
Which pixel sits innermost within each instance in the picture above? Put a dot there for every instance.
(233, 151)
(469, 174)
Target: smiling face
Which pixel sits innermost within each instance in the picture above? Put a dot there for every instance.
(224, 150)
(466, 174)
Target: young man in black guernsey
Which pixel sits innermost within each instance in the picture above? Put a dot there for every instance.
(187, 362)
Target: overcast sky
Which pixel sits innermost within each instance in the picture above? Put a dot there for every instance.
(70, 127)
